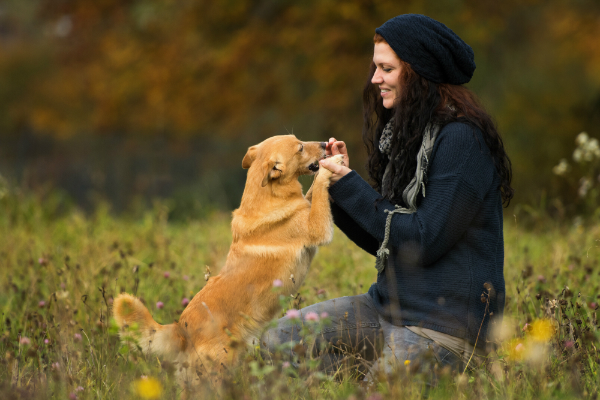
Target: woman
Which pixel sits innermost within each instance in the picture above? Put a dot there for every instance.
(433, 214)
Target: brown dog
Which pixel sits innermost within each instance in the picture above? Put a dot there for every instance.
(276, 232)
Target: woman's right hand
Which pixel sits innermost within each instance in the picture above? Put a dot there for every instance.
(335, 147)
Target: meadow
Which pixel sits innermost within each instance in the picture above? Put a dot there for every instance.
(60, 270)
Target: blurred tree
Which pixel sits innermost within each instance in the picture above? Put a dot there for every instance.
(242, 70)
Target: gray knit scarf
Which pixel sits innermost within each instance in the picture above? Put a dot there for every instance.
(410, 193)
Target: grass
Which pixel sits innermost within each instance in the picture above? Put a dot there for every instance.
(61, 269)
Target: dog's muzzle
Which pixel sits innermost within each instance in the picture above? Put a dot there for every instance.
(314, 167)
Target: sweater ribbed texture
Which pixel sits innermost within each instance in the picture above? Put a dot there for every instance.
(442, 255)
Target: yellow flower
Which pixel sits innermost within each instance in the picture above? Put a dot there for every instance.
(148, 388)
(407, 362)
(542, 330)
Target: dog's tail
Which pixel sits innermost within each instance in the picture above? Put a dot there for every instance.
(135, 323)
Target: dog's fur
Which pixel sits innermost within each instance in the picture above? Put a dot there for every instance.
(276, 231)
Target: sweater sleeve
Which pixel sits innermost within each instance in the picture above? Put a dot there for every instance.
(460, 176)
(357, 234)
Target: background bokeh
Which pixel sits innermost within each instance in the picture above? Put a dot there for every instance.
(122, 101)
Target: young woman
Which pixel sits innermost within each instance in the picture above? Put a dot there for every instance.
(432, 215)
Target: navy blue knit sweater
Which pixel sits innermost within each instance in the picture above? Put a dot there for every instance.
(442, 255)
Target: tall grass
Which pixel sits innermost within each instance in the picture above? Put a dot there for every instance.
(60, 270)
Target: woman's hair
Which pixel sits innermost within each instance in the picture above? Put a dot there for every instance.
(422, 101)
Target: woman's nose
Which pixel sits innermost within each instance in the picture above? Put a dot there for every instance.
(376, 77)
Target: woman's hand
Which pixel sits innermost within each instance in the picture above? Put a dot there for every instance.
(335, 147)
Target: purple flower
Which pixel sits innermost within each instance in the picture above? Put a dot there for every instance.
(185, 301)
(569, 344)
(312, 316)
(72, 396)
(77, 337)
(46, 341)
(277, 283)
(41, 304)
(160, 304)
(25, 340)
(166, 275)
(292, 314)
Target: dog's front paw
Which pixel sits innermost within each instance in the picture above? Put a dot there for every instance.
(338, 159)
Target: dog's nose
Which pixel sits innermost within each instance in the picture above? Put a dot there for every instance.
(324, 145)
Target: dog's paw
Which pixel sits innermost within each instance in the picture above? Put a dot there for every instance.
(338, 159)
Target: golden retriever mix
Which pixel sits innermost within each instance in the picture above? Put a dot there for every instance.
(276, 231)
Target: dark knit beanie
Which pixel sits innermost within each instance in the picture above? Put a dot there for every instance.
(430, 47)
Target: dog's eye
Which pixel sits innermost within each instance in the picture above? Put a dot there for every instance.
(301, 147)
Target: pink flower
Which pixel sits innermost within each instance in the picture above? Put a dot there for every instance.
(72, 396)
(77, 337)
(277, 283)
(321, 292)
(593, 305)
(42, 261)
(286, 364)
(519, 348)
(63, 286)
(166, 275)
(79, 389)
(160, 304)
(46, 341)
(569, 344)
(292, 314)
(312, 316)
(56, 366)
(541, 279)
(41, 304)
(324, 315)
(25, 340)
(185, 301)
(185, 277)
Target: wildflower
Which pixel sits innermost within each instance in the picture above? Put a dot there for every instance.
(542, 330)
(72, 396)
(148, 388)
(185, 301)
(286, 364)
(293, 314)
(46, 341)
(79, 389)
(77, 337)
(569, 344)
(63, 285)
(321, 292)
(312, 316)
(160, 305)
(541, 279)
(42, 261)
(55, 366)
(593, 305)
(406, 362)
(166, 275)
(562, 168)
(324, 315)
(582, 139)
(186, 278)
(25, 340)
(277, 283)
(42, 304)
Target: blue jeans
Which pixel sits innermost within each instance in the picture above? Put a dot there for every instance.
(358, 336)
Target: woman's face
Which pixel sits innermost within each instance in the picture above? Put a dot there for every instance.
(387, 74)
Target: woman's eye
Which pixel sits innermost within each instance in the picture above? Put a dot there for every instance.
(387, 69)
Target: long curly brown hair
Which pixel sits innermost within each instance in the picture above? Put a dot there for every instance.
(421, 102)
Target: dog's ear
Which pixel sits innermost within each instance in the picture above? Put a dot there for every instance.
(272, 170)
(249, 157)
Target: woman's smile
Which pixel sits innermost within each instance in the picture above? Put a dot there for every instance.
(387, 74)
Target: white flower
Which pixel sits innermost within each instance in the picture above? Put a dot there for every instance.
(562, 168)
(577, 155)
(582, 139)
(584, 186)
